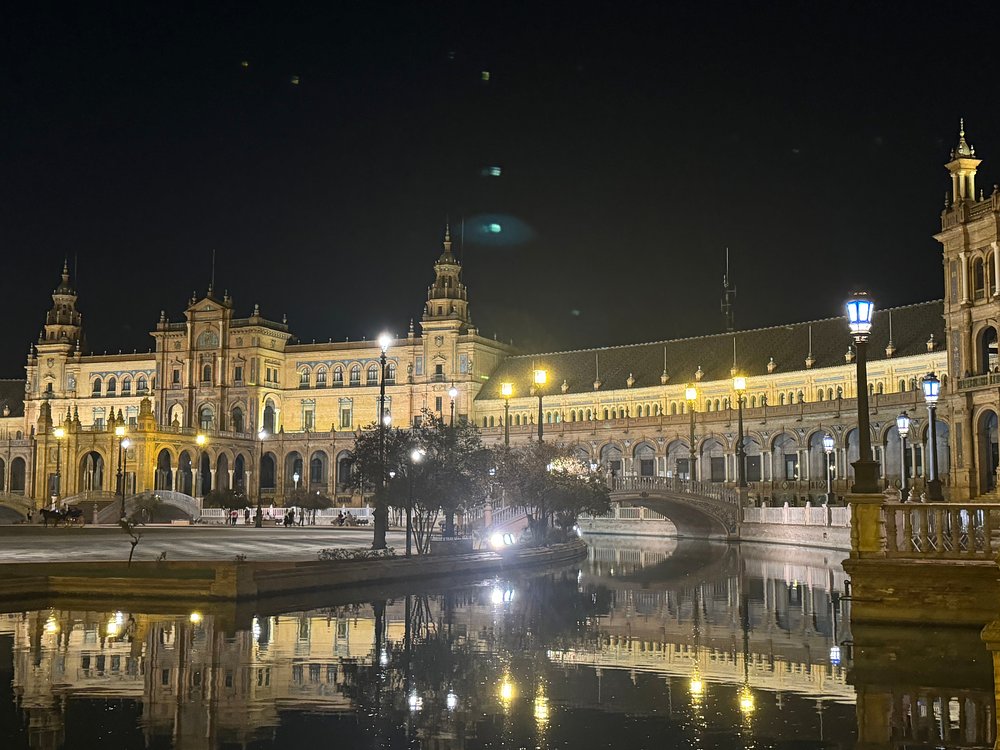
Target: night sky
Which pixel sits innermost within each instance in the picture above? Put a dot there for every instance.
(635, 143)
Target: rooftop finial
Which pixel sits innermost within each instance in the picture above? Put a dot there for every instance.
(963, 149)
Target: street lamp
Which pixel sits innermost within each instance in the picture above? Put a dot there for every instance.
(691, 396)
(416, 456)
(60, 433)
(903, 428)
(381, 509)
(119, 487)
(258, 520)
(541, 377)
(860, 310)
(828, 450)
(453, 393)
(506, 390)
(740, 386)
(295, 479)
(126, 444)
(932, 390)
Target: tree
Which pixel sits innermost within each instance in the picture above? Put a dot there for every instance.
(551, 485)
(450, 478)
(228, 499)
(311, 501)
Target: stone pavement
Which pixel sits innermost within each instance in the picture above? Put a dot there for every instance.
(27, 544)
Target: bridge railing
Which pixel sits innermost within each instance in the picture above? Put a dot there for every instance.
(714, 490)
(941, 530)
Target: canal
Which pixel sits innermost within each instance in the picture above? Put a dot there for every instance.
(646, 644)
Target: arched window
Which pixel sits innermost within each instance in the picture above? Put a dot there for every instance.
(753, 402)
(321, 377)
(355, 374)
(96, 389)
(871, 389)
(141, 385)
(112, 387)
(820, 394)
(605, 413)
(338, 375)
(978, 279)
(206, 416)
(902, 385)
(840, 392)
(590, 415)
(673, 408)
(988, 273)
(492, 422)
(484, 421)
(829, 394)
(372, 375)
(237, 419)
(390, 372)
(781, 399)
(304, 378)
(718, 405)
(880, 389)
(206, 374)
(517, 420)
(801, 397)
(127, 386)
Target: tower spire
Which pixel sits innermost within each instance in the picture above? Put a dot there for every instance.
(963, 167)
(728, 298)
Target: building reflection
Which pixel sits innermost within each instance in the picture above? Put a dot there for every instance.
(753, 643)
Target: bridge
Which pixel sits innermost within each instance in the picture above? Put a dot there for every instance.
(700, 509)
(169, 505)
(14, 508)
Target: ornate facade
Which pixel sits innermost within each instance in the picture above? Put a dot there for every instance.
(217, 374)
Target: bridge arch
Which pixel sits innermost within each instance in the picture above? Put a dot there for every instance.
(712, 514)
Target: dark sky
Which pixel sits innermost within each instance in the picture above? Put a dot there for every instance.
(636, 142)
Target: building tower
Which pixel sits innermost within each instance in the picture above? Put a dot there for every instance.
(51, 373)
(447, 305)
(971, 310)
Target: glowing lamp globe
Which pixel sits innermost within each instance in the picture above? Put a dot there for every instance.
(860, 310)
(506, 390)
(903, 424)
(739, 384)
(384, 340)
(932, 388)
(541, 376)
(828, 443)
(691, 393)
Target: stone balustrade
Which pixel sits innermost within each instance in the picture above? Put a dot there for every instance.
(941, 530)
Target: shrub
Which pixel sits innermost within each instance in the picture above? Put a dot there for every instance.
(339, 553)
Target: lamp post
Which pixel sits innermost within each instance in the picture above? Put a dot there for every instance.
(903, 428)
(932, 390)
(119, 487)
(453, 394)
(541, 377)
(60, 433)
(200, 441)
(740, 386)
(691, 396)
(860, 310)
(828, 450)
(506, 390)
(416, 456)
(126, 444)
(258, 520)
(381, 509)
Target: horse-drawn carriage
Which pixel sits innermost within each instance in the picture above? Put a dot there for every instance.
(68, 515)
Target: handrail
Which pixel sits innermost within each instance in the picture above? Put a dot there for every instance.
(713, 490)
(940, 530)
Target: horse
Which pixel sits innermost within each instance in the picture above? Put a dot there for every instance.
(55, 515)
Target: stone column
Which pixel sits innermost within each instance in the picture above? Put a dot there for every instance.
(996, 268)
(230, 478)
(195, 487)
(867, 525)
(212, 471)
(963, 259)
(991, 636)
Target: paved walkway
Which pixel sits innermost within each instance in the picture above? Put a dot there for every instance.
(38, 544)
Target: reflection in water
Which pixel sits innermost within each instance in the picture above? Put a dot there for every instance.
(645, 644)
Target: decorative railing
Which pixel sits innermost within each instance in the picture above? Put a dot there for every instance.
(821, 515)
(714, 490)
(979, 381)
(941, 530)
